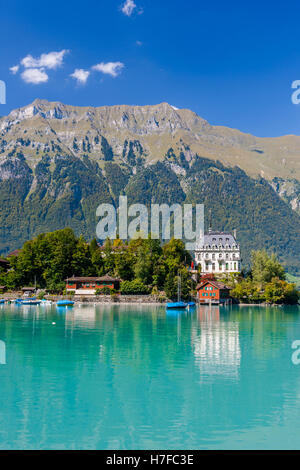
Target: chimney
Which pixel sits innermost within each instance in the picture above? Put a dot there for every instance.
(234, 233)
(210, 221)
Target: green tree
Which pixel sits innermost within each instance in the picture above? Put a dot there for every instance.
(279, 291)
(98, 262)
(124, 262)
(183, 279)
(93, 246)
(81, 263)
(248, 291)
(108, 257)
(135, 287)
(265, 267)
(175, 255)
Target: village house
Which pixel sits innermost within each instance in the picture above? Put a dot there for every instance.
(89, 285)
(4, 264)
(211, 291)
(28, 291)
(219, 253)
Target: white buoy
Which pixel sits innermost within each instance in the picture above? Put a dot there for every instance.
(53, 323)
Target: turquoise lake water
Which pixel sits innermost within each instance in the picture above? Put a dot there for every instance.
(132, 377)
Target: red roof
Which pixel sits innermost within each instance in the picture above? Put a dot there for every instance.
(217, 284)
(92, 279)
(14, 253)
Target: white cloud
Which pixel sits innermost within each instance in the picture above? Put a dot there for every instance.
(80, 75)
(35, 76)
(139, 43)
(14, 69)
(128, 7)
(52, 60)
(110, 68)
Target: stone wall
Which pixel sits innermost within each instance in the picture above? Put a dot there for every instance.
(101, 299)
(120, 299)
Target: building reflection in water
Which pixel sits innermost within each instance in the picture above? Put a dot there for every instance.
(83, 316)
(216, 344)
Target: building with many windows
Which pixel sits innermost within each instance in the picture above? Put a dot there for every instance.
(209, 291)
(89, 285)
(219, 252)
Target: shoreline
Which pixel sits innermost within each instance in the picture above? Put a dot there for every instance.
(142, 300)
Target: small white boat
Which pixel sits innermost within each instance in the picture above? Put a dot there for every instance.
(46, 302)
(30, 302)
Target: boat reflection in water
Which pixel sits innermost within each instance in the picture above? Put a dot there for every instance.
(216, 346)
(173, 312)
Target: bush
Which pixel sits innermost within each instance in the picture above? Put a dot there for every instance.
(247, 291)
(114, 297)
(41, 295)
(279, 291)
(57, 288)
(105, 291)
(135, 287)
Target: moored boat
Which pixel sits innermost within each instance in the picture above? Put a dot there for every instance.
(46, 302)
(179, 305)
(30, 302)
(176, 305)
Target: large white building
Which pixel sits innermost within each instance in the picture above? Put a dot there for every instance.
(219, 252)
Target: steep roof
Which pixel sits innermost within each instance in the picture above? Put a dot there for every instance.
(217, 238)
(93, 279)
(14, 253)
(4, 261)
(217, 284)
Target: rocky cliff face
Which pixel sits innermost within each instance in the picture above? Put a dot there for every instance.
(109, 133)
(289, 191)
(58, 162)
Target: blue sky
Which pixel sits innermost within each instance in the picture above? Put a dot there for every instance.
(233, 63)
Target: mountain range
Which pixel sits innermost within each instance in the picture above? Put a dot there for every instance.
(59, 162)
